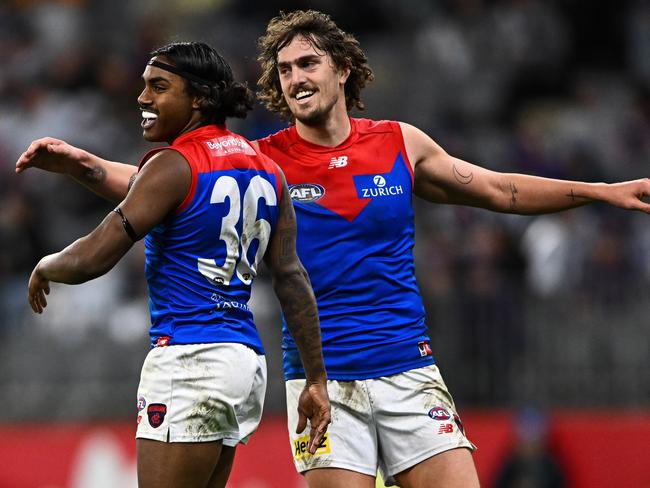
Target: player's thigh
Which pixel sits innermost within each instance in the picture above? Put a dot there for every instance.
(174, 464)
(416, 419)
(449, 469)
(350, 443)
(338, 478)
(222, 469)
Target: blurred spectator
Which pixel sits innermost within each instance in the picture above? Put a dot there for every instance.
(21, 244)
(531, 464)
(490, 273)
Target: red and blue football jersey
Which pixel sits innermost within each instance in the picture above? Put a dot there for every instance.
(202, 259)
(354, 212)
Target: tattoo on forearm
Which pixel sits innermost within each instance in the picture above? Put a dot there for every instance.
(573, 196)
(301, 315)
(95, 174)
(461, 178)
(513, 196)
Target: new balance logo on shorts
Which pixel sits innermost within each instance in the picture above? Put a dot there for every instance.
(339, 162)
(446, 429)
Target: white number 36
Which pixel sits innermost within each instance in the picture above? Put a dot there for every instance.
(236, 247)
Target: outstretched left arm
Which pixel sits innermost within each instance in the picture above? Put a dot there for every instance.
(442, 178)
(162, 185)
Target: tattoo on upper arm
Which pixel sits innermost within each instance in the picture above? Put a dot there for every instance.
(95, 175)
(132, 180)
(461, 178)
(513, 196)
(287, 247)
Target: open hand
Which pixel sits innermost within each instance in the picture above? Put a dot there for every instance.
(314, 405)
(630, 195)
(51, 154)
(38, 287)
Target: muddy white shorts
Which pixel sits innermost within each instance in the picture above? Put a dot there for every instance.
(201, 393)
(390, 423)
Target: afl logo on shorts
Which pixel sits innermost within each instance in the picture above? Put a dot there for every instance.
(306, 192)
(142, 402)
(156, 413)
(439, 413)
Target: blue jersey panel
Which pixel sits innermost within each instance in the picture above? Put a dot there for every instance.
(199, 272)
(362, 273)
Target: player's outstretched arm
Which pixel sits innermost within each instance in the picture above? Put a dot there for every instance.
(108, 179)
(442, 178)
(162, 186)
(292, 286)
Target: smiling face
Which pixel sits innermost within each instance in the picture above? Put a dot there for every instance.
(167, 109)
(312, 85)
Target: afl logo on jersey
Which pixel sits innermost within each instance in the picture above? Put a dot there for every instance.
(306, 192)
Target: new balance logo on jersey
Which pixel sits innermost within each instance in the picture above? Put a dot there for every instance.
(423, 347)
(339, 162)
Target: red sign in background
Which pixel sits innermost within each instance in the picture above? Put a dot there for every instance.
(597, 449)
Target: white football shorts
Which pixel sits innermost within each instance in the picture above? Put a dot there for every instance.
(201, 393)
(390, 423)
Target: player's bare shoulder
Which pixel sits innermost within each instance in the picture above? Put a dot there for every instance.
(419, 145)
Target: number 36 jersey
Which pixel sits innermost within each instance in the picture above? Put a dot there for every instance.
(354, 213)
(201, 260)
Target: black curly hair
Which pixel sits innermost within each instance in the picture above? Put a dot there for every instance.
(223, 97)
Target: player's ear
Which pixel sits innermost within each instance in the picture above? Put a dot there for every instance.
(199, 100)
(344, 73)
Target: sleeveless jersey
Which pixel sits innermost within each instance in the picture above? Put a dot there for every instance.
(201, 260)
(354, 213)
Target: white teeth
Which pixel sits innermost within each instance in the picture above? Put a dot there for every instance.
(149, 115)
(303, 94)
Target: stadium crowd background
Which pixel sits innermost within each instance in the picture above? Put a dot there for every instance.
(548, 312)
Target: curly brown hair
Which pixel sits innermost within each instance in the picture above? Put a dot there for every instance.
(326, 36)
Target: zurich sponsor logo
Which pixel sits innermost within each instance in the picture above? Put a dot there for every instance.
(372, 186)
(439, 413)
(306, 192)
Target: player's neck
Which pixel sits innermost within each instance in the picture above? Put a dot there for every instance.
(330, 133)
